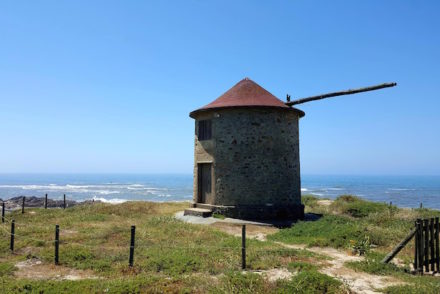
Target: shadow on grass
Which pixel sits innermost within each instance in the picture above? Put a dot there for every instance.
(287, 223)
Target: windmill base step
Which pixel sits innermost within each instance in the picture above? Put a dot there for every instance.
(202, 212)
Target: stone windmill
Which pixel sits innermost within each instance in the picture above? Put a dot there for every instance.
(246, 154)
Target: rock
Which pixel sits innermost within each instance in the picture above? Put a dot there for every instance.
(33, 201)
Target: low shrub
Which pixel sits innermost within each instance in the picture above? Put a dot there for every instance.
(361, 246)
(218, 215)
(309, 200)
(312, 282)
(330, 230)
(237, 282)
(357, 207)
(301, 266)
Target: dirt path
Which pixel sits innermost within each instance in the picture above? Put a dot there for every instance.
(252, 231)
(275, 274)
(358, 282)
(37, 270)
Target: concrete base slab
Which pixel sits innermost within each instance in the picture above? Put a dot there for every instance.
(258, 212)
(181, 215)
(195, 219)
(211, 220)
(201, 212)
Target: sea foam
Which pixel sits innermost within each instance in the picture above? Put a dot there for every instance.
(111, 201)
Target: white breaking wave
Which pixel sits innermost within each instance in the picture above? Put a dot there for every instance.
(304, 189)
(87, 191)
(98, 189)
(105, 192)
(401, 189)
(111, 201)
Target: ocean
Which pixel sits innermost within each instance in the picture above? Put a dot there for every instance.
(404, 191)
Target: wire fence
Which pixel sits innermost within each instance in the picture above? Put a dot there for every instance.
(132, 243)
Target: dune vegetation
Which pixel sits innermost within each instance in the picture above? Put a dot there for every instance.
(352, 223)
(172, 256)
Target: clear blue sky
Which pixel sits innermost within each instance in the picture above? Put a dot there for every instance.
(105, 86)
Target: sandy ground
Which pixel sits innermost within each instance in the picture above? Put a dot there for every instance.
(325, 202)
(275, 274)
(37, 270)
(252, 231)
(358, 282)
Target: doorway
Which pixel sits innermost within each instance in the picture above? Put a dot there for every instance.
(204, 183)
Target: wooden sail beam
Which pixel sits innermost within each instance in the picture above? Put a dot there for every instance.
(340, 93)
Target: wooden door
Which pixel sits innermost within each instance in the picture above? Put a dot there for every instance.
(204, 183)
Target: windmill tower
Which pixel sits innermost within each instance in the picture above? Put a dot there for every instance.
(246, 154)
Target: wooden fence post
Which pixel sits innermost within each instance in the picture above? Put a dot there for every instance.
(431, 244)
(426, 246)
(3, 212)
(64, 204)
(22, 204)
(130, 260)
(420, 246)
(12, 235)
(45, 201)
(437, 253)
(57, 244)
(243, 247)
(399, 247)
(416, 247)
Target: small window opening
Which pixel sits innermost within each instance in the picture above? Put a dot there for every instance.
(204, 130)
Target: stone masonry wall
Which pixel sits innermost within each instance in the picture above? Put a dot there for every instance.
(203, 153)
(255, 157)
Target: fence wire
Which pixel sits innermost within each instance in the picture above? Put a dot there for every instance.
(143, 244)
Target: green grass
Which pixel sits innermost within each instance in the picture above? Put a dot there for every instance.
(330, 230)
(170, 256)
(236, 282)
(127, 285)
(305, 282)
(218, 215)
(6, 269)
(426, 285)
(309, 201)
(301, 266)
(373, 265)
(357, 207)
(312, 282)
(349, 219)
(176, 257)
(412, 283)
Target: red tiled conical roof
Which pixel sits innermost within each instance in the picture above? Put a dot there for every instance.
(245, 93)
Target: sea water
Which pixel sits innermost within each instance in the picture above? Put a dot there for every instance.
(404, 191)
